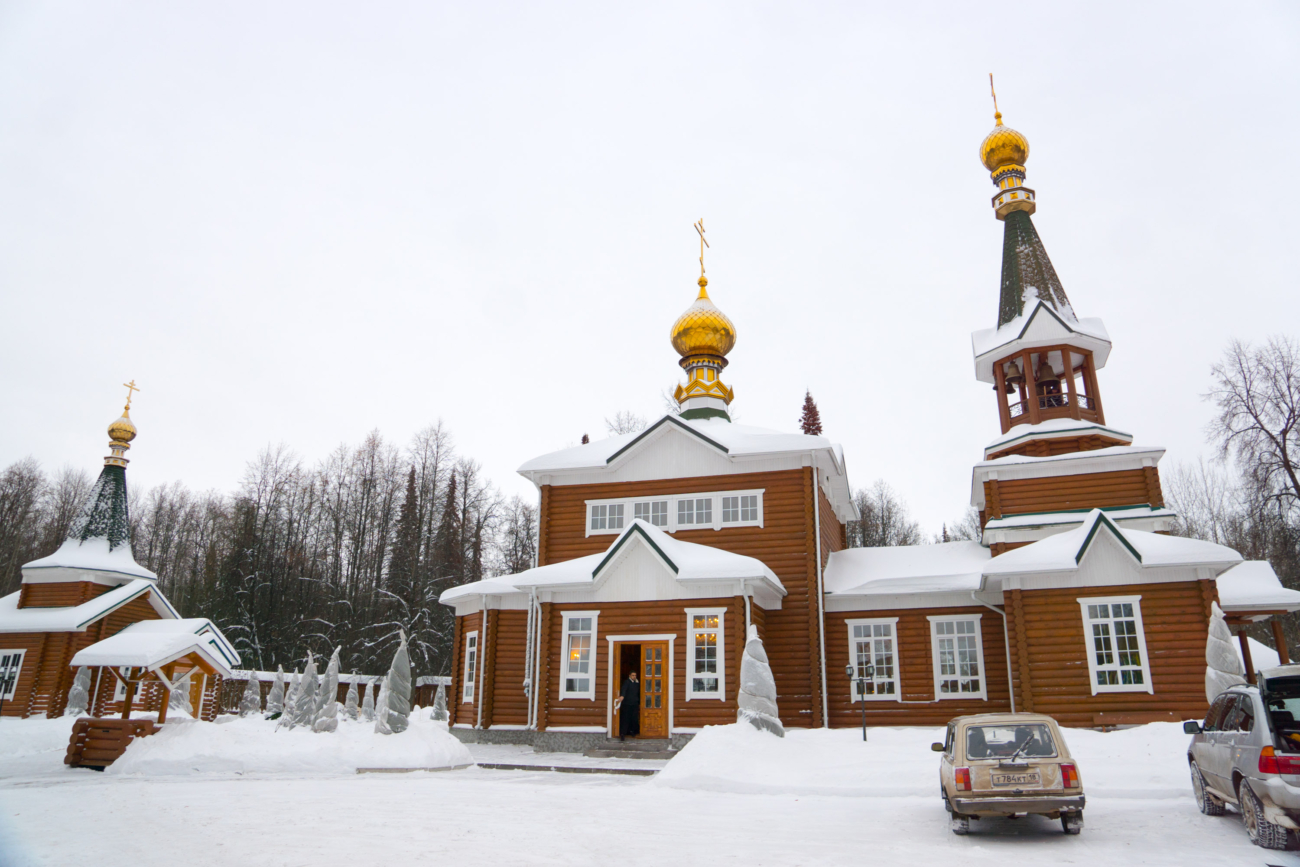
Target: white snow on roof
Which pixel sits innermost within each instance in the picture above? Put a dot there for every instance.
(694, 562)
(93, 555)
(941, 568)
(1048, 519)
(734, 439)
(1055, 427)
(1254, 585)
(1058, 553)
(77, 617)
(151, 643)
(1118, 451)
(988, 339)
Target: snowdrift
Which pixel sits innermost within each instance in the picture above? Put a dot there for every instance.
(237, 745)
(897, 762)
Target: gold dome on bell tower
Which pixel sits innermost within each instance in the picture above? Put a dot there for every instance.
(122, 431)
(1004, 153)
(703, 336)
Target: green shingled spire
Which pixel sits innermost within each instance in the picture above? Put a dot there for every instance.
(104, 514)
(1027, 272)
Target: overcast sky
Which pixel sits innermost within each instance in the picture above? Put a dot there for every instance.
(298, 222)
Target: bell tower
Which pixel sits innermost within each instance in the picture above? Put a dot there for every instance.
(1056, 457)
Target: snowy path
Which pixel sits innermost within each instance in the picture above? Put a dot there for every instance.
(816, 798)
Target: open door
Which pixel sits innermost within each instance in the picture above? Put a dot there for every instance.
(655, 689)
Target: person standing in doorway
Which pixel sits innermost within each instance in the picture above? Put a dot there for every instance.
(629, 707)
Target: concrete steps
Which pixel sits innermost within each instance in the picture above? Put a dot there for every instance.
(635, 748)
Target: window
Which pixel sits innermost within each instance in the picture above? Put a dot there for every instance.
(672, 513)
(471, 666)
(11, 663)
(578, 675)
(1214, 719)
(1241, 718)
(871, 642)
(1117, 650)
(958, 655)
(654, 513)
(704, 649)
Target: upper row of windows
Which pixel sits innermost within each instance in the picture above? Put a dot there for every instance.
(675, 512)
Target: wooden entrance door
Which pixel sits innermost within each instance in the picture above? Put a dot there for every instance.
(655, 689)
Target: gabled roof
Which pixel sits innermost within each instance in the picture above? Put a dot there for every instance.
(93, 555)
(75, 618)
(1054, 428)
(689, 562)
(1065, 551)
(1040, 325)
(154, 643)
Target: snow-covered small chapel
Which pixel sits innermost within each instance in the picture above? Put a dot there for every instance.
(658, 551)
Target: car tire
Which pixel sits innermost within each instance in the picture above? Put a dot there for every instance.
(1262, 832)
(1072, 823)
(1210, 805)
(960, 825)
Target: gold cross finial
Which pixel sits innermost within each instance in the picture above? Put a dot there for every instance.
(130, 390)
(996, 114)
(699, 227)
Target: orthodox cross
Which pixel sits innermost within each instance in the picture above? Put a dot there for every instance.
(995, 94)
(130, 390)
(699, 227)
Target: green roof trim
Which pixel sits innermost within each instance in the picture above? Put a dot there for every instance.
(102, 614)
(654, 427)
(705, 412)
(1102, 519)
(614, 549)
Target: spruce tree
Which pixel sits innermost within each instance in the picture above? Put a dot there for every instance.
(404, 561)
(440, 705)
(393, 713)
(251, 702)
(350, 704)
(327, 704)
(368, 702)
(79, 695)
(275, 701)
(811, 420)
(451, 551)
(585, 439)
(304, 706)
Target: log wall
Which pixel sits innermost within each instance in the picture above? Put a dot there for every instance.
(915, 663)
(1082, 491)
(62, 594)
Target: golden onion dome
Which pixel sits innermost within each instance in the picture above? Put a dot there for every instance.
(703, 329)
(1003, 147)
(123, 430)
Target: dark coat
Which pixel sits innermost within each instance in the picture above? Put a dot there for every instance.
(629, 712)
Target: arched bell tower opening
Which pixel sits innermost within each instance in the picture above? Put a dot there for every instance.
(1035, 385)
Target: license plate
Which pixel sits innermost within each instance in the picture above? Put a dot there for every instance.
(1017, 780)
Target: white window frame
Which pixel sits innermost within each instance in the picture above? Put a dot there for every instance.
(14, 656)
(715, 523)
(939, 695)
(1145, 666)
(720, 694)
(589, 694)
(469, 687)
(853, 659)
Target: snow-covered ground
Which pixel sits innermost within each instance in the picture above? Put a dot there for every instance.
(734, 796)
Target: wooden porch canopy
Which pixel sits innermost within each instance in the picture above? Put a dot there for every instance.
(161, 650)
(1251, 593)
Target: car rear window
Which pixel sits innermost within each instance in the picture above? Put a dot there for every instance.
(1032, 741)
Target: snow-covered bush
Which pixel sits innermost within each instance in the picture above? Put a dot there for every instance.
(180, 697)
(381, 709)
(327, 706)
(440, 704)
(304, 706)
(757, 699)
(395, 710)
(350, 707)
(368, 702)
(291, 699)
(1222, 665)
(275, 701)
(251, 702)
(79, 694)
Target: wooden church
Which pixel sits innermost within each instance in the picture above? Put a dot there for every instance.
(657, 550)
(89, 603)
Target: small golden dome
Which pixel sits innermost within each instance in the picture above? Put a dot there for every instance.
(123, 430)
(703, 329)
(1003, 147)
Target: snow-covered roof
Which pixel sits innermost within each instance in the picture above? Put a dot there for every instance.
(1062, 552)
(1054, 428)
(1254, 586)
(92, 555)
(1039, 325)
(943, 568)
(76, 618)
(154, 643)
(1075, 516)
(732, 439)
(689, 562)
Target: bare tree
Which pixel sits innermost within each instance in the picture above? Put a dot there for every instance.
(1257, 393)
(885, 521)
(625, 422)
(966, 529)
